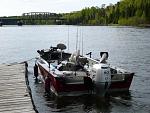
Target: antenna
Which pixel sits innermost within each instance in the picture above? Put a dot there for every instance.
(77, 39)
(68, 38)
(82, 40)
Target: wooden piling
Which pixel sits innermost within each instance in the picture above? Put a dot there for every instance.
(14, 93)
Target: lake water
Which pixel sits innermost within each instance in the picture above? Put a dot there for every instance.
(128, 47)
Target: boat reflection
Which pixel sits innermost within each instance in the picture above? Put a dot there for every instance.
(87, 103)
(83, 103)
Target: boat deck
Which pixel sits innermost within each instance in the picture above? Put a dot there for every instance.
(14, 95)
(75, 77)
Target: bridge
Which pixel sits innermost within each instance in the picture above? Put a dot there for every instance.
(39, 15)
(33, 18)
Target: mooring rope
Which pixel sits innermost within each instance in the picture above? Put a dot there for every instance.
(25, 61)
(34, 58)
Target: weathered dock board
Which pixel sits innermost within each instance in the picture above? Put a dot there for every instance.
(14, 95)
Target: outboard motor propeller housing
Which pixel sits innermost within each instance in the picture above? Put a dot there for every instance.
(101, 77)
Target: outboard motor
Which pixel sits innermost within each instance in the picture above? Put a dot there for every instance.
(101, 77)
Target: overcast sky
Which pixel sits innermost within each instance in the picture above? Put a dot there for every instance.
(17, 7)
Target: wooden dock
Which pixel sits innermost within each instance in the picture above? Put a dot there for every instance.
(14, 94)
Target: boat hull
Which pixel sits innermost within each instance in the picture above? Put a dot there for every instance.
(122, 85)
(58, 85)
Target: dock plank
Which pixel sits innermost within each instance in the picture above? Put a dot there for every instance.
(14, 96)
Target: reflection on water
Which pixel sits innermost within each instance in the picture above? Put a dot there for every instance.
(85, 102)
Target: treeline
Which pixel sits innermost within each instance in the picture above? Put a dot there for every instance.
(55, 19)
(39, 22)
(125, 12)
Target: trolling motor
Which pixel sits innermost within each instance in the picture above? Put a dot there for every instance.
(61, 47)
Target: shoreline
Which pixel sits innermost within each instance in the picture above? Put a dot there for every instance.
(117, 25)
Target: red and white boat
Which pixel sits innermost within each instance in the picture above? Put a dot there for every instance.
(73, 74)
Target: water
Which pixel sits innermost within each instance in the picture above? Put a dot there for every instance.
(128, 48)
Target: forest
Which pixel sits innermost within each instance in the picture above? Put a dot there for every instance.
(125, 12)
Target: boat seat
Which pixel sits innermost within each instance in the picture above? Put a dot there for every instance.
(67, 73)
(67, 66)
(82, 61)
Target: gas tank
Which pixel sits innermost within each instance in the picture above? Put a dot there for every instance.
(101, 77)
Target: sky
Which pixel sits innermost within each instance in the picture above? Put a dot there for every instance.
(18, 7)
